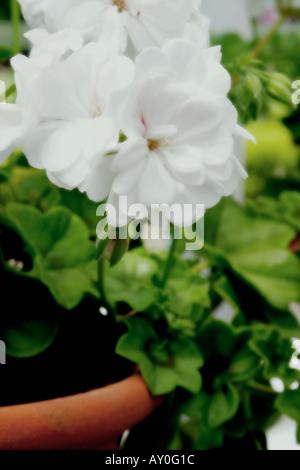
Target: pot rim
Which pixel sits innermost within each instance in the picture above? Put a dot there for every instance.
(90, 420)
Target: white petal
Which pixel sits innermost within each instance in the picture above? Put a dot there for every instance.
(156, 186)
(127, 179)
(197, 121)
(242, 132)
(11, 130)
(130, 152)
(53, 146)
(161, 132)
(98, 183)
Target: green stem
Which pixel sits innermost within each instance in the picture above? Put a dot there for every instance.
(197, 268)
(10, 90)
(290, 12)
(261, 388)
(262, 44)
(101, 282)
(267, 38)
(169, 263)
(15, 19)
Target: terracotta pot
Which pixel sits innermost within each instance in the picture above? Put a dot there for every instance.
(92, 420)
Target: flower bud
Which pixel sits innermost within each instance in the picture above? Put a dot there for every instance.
(111, 247)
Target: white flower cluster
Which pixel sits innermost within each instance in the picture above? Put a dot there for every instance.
(139, 69)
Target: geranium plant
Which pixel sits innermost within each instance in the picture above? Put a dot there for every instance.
(129, 101)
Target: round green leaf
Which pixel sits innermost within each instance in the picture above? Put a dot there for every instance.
(29, 339)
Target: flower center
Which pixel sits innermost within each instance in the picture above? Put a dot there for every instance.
(96, 113)
(121, 4)
(156, 144)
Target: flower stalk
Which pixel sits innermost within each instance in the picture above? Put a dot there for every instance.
(15, 19)
(169, 263)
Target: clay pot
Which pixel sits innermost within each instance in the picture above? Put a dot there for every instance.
(88, 421)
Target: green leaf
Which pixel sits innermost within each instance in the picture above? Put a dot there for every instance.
(256, 249)
(224, 288)
(273, 273)
(111, 246)
(81, 205)
(29, 339)
(208, 439)
(217, 338)
(288, 403)
(278, 86)
(254, 85)
(131, 281)
(27, 185)
(286, 208)
(5, 53)
(244, 365)
(201, 436)
(3, 177)
(62, 254)
(275, 350)
(240, 232)
(186, 298)
(177, 366)
(223, 406)
(103, 244)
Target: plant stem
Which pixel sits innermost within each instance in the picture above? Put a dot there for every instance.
(290, 12)
(262, 44)
(10, 90)
(169, 263)
(197, 268)
(15, 19)
(132, 313)
(101, 282)
(261, 388)
(267, 38)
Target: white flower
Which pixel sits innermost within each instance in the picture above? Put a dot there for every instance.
(180, 127)
(203, 23)
(64, 110)
(135, 24)
(50, 48)
(71, 99)
(45, 13)
(17, 119)
(10, 129)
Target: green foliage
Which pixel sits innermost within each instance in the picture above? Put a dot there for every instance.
(285, 209)
(131, 281)
(288, 403)
(275, 154)
(28, 339)
(111, 246)
(256, 250)
(218, 373)
(62, 254)
(274, 348)
(5, 53)
(165, 364)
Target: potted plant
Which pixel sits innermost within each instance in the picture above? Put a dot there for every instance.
(104, 331)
